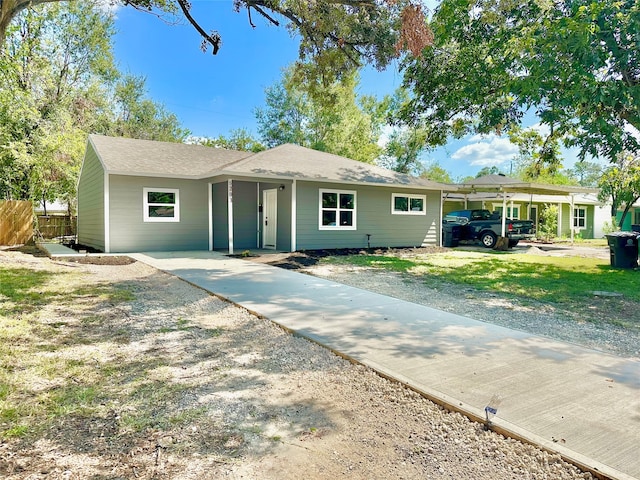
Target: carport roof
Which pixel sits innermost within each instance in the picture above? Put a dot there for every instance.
(502, 183)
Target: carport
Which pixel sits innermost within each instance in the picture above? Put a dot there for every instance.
(490, 187)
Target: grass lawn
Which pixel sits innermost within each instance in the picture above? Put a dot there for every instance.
(561, 280)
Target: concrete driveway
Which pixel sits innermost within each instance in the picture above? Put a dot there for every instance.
(581, 403)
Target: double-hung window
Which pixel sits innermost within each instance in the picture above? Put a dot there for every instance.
(580, 217)
(337, 210)
(161, 205)
(402, 204)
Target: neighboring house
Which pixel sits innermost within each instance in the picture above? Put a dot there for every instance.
(140, 195)
(579, 211)
(632, 220)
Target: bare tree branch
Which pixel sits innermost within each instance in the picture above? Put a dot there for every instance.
(213, 38)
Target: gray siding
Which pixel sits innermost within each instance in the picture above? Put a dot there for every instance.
(91, 202)
(245, 215)
(374, 217)
(129, 233)
(220, 218)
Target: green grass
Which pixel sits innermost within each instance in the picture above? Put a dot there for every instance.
(21, 290)
(562, 280)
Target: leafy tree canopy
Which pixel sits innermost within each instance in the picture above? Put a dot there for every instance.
(335, 35)
(59, 83)
(334, 119)
(238, 139)
(434, 171)
(574, 62)
(586, 174)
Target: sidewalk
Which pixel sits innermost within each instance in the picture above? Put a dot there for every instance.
(581, 403)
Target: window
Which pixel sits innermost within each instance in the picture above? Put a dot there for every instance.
(408, 204)
(580, 217)
(161, 205)
(515, 215)
(337, 210)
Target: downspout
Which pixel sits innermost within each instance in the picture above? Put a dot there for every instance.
(294, 215)
(230, 214)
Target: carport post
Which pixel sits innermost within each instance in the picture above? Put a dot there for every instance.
(504, 213)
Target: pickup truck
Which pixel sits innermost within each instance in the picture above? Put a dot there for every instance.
(486, 227)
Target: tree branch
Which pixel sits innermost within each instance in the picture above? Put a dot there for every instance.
(213, 38)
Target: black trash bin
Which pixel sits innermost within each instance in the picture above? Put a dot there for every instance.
(623, 249)
(451, 234)
(635, 228)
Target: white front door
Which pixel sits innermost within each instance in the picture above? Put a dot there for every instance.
(269, 218)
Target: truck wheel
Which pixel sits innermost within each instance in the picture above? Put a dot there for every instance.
(488, 239)
(513, 243)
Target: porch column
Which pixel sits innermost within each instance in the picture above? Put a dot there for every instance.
(210, 197)
(559, 232)
(230, 213)
(571, 217)
(294, 215)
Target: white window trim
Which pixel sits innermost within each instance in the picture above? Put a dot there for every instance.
(409, 197)
(146, 204)
(498, 206)
(320, 209)
(576, 217)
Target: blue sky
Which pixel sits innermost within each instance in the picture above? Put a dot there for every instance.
(212, 95)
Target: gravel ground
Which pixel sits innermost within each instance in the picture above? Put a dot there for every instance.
(248, 399)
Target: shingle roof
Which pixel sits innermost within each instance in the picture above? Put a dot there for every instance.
(130, 156)
(127, 156)
(294, 161)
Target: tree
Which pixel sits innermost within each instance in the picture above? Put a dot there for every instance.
(436, 173)
(334, 120)
(59, 84)
(238, 139)
(136, 116)
(335, 35)
(54, 59)
(403, 150)
(539, 156)
(492, 170)
(620, 184)
(586, 174)
(575, 63)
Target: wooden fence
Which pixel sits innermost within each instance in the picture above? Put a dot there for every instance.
(53, 226)
(16, 222)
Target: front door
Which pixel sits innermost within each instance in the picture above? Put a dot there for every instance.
(533, 215)
(269, 218)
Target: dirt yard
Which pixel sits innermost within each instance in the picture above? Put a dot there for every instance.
(119, 371)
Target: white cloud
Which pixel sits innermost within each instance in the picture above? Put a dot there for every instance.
(486, 151)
